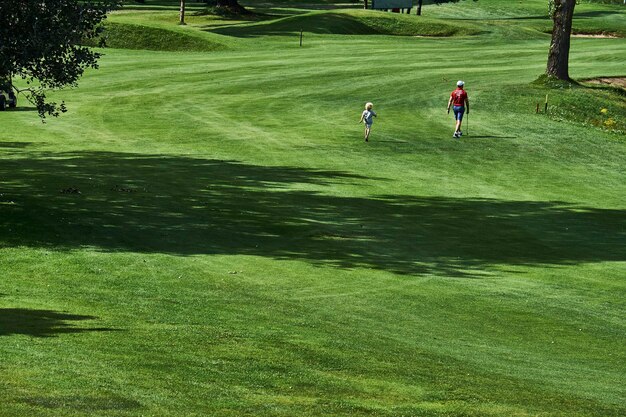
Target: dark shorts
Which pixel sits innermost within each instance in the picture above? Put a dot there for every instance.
(458, 112)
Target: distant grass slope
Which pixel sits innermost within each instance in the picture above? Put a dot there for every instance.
(131, 36)
(589, 17)
(352, 22)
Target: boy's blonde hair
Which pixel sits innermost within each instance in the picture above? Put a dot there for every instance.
(368, 105)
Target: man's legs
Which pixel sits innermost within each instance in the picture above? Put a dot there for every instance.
(458, 116)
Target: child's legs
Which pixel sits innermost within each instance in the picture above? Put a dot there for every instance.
(367, 130)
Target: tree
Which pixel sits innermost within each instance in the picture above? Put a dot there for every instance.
(562, 12)
(232, 6)
(40, 42)
(181, 20)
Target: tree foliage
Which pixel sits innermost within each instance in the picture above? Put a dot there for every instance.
(40, 42)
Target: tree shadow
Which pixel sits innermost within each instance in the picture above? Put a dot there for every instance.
(23, 109)
(503, 18)
(577, 15)
(187, 206)
(468, 136)
(41, 323)
(597, 14)
(15, 145)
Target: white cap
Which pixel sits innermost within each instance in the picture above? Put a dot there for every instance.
(460, 83)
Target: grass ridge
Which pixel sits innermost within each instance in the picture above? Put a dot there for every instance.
(145, 37)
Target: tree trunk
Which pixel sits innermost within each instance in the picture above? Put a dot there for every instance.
(365, 4)
(182, 12)
(233, 6)
(419, 7)
(558, 57)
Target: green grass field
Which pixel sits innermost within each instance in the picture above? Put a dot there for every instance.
(205, 233)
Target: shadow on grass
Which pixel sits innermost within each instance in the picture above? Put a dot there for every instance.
(41, 323)
(15, 145)
(577, 15)
(186, 206)
(86, 404)
(597, 14)
(468, 136)
(23, 109)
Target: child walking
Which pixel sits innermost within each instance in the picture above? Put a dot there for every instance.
(366, 117)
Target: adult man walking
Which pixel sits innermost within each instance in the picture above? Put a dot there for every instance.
(460, 103)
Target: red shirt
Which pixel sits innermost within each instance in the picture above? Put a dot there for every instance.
(458, 97)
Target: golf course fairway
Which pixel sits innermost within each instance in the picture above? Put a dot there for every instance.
(205, 232)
